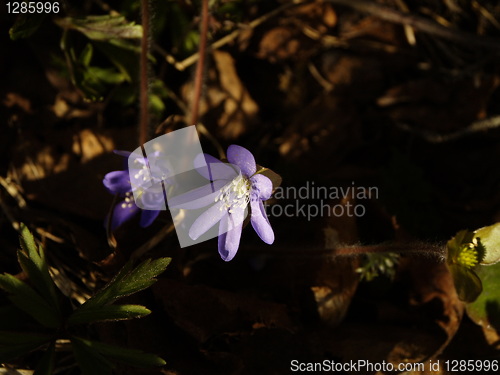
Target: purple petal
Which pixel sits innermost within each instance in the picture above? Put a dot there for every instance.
(117, 182)
(122, 213)
(243, 158)
(262, 186)
(197, 198)
(213, 169)
(207, 220)
(260, 223)
(147, 217)
(230, 234)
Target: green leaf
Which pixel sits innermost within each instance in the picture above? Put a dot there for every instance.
(26, 299)
(32, 261)
(26, 24)
(93, 81)
(485, 311)
(125, 60)
(89, 360)
(144, 275)
(16, 344)
(106, 28)
(29, 247)
(183, 39)
(86, 55)
(376, 265)
(46, 364)
(467, 284)
(128, 281)
(156, 105)
(490, 238)
(106, 75)
(107, 313)
(124, 355)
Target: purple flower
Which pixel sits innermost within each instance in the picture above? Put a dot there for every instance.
(118, 182)
(232, 193)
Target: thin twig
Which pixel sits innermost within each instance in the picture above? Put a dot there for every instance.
(383, 12)
(486, 14)
(109, 233)
(421, 249)
(182, 65)
(421, 24)
(204, 131)
(144, 100)
(409, 32)
(153, 241)
(327, 85)
(198, 78)
(432, 137)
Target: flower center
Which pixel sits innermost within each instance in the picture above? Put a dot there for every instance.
(234, 195)
(129, 200)
(468, 256)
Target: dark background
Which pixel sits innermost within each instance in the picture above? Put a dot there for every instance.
(319, 92)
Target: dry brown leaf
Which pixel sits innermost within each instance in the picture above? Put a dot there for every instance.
(226, 102)
(432, 288)
(437, 106)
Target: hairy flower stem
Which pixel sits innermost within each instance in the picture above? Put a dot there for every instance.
(419, 248)
(144, 78)
(414, 249)
(198, 78)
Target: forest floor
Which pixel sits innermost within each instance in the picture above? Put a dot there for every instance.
(400, 97)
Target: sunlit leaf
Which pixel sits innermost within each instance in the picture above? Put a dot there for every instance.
(485, 311)
(490, 238)
(32, 261)
(107, 313)
(128, 281)
(103, 28)
(26, 299)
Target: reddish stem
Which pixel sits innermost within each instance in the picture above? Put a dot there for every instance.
(144, 100)
(416, 248)
(198, 78)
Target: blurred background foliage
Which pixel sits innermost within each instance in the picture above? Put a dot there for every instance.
(318, 91)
